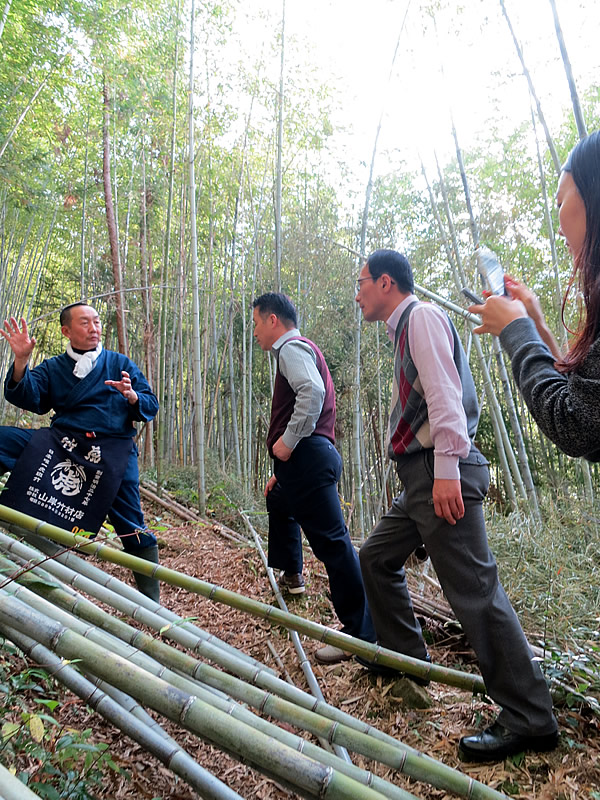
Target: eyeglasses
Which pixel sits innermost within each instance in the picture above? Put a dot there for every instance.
(360, 280)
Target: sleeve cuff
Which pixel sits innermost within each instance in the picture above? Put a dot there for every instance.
(446, 468)
(290, 440)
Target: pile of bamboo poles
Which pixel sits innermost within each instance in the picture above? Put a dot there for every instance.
(120, 670)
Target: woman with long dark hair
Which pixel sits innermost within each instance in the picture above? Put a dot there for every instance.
(562, 391)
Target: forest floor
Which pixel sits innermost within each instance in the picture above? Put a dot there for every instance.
(571, 771)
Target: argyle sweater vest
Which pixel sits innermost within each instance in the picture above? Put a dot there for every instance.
(284, 399)
(408, 429)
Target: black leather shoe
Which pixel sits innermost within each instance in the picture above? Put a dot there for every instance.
(389, 672)
(497, 743)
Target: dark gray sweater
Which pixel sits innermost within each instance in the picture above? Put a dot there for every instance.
(566, 407)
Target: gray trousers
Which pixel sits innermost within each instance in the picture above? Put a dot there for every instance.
(468, 575)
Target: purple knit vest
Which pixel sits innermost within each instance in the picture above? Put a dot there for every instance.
(282, 405)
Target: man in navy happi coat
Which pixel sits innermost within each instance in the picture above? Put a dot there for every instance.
(90, 390)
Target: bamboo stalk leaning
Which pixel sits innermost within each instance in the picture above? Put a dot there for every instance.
(216, 593)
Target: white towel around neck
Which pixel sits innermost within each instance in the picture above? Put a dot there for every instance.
(85, 362)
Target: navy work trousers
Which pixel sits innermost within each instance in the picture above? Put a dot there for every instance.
(306, 497)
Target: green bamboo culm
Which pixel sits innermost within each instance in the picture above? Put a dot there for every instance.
(372, 652)
(71, 569)
(391, 752)
(161, 746)
(44, 657)
(416, 764)
(296, 771)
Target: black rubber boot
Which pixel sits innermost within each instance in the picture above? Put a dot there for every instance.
(146, 585)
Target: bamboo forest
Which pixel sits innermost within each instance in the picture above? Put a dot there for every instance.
(168, 163)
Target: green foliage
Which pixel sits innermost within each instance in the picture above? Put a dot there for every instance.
(551, 572)
(55, 761)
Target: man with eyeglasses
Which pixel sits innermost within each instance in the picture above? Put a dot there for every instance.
(433, 420)
(302, 492)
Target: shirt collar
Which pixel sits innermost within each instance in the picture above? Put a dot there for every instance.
(392, 321)
(284, 337)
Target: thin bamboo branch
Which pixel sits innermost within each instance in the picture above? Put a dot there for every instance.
(304, 662)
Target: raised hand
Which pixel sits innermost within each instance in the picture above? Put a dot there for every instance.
(18, 338)
(124, 386)
(20, 343)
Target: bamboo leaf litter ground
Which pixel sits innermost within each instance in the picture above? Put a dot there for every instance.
(435, 731)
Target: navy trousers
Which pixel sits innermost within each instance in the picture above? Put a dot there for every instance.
(306, 497)
(468, 575)
(125, 514)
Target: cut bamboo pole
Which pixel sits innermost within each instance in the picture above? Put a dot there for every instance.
(390, 752)
(411, 761)
(372, 652)
(163, 748)
(294, 770)
(119, 595)
(11, 787)
(94, 698)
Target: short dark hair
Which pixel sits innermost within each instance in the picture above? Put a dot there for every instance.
(394, 264)
(278, 304)
(65, 314)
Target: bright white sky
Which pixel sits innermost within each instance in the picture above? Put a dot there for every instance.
(352, 42)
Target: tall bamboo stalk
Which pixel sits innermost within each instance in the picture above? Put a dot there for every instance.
(279, 167)
(577, 111)
(197, 359)
(4, 16)
(521, 473)
(112, 225)
(538, 105)
(31, 102)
